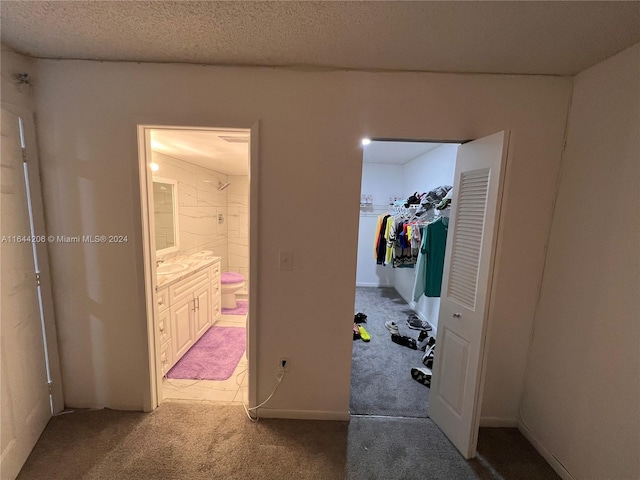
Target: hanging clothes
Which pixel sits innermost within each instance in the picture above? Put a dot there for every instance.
(418, 286)
(390, 236)
(433, 248)
(414, 238)
(402, 250)
(376, 239)
(381, 243)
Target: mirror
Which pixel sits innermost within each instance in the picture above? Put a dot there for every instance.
(165, 209)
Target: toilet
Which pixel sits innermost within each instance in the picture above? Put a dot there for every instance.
(230, 282)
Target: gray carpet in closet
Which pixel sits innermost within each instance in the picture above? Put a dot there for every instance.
(381, 382)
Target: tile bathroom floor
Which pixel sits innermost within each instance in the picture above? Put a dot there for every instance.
(224, 391)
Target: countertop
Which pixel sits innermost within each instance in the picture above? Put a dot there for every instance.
(196, 263)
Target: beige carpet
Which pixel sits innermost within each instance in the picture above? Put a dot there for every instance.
(186, 441)
(197, 441)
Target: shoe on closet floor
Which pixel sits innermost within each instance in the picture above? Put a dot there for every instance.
(356, 331)
(404, 341)
(414, 323)
(364, 335)
(392, 327)
(360, 318)
(426, 342)
(421, 375)
(427, 358)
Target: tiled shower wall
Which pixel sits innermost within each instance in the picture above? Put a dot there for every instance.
(199, 204)
(238, 228)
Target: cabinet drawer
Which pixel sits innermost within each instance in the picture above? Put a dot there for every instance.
(164, 326)
(216, 311)
(162, 297)
(166, 357)
(185, 288)
(215, 289)
(215, 269)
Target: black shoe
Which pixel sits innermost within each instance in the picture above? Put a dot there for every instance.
(414, 322)
(423, 335)
(427, 358)
(404, 341)
(422, 375)
(360, 318)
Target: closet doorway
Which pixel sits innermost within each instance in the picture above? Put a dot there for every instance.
(403, 184)
(197, 190)
(425, 321)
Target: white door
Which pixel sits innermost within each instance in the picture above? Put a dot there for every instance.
(466, 285)
(26, 403)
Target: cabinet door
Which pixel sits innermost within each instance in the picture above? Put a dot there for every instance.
(182, 331)
(203, 316)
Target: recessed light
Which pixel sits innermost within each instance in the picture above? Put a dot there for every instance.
(154, 167)
(366, 141)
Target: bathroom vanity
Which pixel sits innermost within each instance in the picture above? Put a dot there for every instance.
(188, 299)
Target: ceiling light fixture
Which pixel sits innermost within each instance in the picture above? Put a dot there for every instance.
(366, 141)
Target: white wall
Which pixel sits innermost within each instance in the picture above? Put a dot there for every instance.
(238, 223)
(424, 173)
(21, 96)
(199, 203)
(583, 381)
(310, 171)
(381, 181)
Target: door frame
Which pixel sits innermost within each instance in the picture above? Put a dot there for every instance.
(153, 394)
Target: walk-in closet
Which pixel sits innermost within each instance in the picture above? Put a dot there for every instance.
(405, 205)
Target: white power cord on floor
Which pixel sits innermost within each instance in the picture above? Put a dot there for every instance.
(247, 410)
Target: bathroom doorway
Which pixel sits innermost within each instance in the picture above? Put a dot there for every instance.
(197, 188)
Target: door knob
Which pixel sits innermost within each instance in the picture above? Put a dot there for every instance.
(456, 315)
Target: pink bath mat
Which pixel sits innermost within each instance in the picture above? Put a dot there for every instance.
(214, 357)
(241, 309)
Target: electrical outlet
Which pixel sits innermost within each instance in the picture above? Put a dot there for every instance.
(283, 364)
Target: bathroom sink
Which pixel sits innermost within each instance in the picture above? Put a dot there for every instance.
(169, 268)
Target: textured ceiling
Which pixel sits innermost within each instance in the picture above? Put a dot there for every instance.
(204, 148)
(555, 37)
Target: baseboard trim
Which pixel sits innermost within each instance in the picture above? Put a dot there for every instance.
(411, 303)
(498, 422)
(303, 414)
(370, 284)
(546, 454)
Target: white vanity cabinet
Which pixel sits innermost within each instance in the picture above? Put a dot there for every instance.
(166, 348)
(216, 292)
(186, 310)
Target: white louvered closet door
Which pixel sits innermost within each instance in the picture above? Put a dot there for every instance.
(466, 286)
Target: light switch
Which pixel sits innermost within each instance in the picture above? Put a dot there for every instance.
(286, 260)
